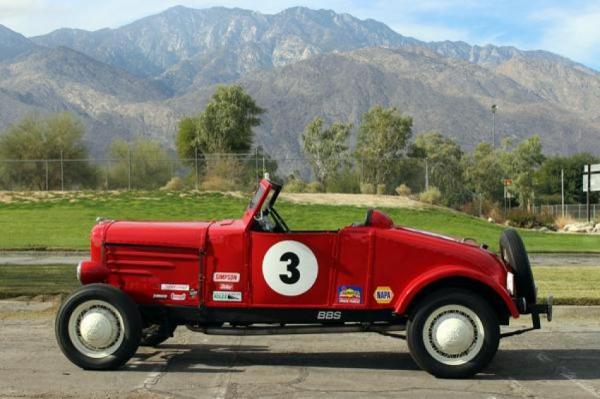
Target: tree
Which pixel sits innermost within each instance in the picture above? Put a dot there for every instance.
(547, 178)
(325, 148)
(150, 164)
(382, 138)
(484, 172)
(521, 165)
(444, 165)
(52, 138)
(224, 126)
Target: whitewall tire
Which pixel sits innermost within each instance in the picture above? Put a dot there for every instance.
(98, 327)
(453, 333)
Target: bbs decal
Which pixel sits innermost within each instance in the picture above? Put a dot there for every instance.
(290, 268)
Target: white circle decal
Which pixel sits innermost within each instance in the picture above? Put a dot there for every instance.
(290, 268)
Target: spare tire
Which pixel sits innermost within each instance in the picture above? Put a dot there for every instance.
(513, 252)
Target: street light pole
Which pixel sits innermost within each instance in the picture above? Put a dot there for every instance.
(494, 108)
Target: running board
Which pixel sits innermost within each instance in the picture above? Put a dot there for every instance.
(304, 329)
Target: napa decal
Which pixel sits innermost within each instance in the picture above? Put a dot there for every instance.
(383, 295)
(350, 294)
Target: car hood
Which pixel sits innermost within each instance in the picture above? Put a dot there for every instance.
(158, 234)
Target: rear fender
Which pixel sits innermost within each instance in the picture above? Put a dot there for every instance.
(410, 292)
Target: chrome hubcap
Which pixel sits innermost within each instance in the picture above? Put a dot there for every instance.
(453, 334)
(96, 329)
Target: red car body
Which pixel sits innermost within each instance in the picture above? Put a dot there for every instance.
(146, 259)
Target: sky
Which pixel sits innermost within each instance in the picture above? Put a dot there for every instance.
(568, 28)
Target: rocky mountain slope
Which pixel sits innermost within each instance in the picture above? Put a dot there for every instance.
(299, 63)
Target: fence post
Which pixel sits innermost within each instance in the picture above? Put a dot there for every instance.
(256, 164)
(46, 174)
(129, 169)
(196, 167)
(263, 163)
(426, 175)
(62, 173)
(107, 168)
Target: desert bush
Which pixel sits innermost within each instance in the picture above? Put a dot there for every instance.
(518, 217)
(561, 221)
(295, 185)
(367, 188)
(496, 214)
(403, 190)
(381, 189)
(431, 195)
(314, 187)
(175, 184)
(345, 181)
(222, 174)
(472, 207)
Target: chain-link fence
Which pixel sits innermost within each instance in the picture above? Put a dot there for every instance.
(216, 171)
(573, 211)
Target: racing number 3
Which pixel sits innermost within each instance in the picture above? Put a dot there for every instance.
(293, 274)
(290, 268)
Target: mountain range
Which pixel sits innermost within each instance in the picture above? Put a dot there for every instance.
(140, 79)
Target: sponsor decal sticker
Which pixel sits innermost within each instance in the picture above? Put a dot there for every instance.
(227, 296)
(351, 294)
(174, 287)
(226, 286)
(177, 297)
(383, 295)
(220, 277)
(159, 296)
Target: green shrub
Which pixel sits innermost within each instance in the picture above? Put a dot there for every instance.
(403, 190)
(518, 217)
(431, 195)
(367, 188)
(345, 181)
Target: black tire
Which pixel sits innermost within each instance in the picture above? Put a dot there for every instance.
(131, 328)
(514, 253)
(460, 299)
(155, 338)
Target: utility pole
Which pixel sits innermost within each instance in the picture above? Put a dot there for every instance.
(589, 189)
(196, 167)
(494, 108)
(562, 191)
(426, 175)
(62, 173)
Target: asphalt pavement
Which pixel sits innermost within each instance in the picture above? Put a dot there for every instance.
(559, 361)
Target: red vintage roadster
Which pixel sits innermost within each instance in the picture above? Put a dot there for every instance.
(255, 276)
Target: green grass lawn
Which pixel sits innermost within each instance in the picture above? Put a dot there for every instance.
(63, 222)
(569, 285)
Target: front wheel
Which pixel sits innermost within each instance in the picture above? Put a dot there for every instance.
(453, 334)
(98, 327)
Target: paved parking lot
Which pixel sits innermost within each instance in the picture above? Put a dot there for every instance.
(561, 361)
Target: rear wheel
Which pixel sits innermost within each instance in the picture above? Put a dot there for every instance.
(98, 327)
(453, 334)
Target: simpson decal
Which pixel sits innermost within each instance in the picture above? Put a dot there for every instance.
(350, 294)
(220, 277)
(174, 287)
(383, 295)
(227, 296)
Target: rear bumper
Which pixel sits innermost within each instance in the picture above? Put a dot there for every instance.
(535, 309)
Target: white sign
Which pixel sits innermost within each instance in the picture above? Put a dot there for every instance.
(595, 168)
(227, 296)
(595, 181)
(174, 287)
(290, 268)
(220, 277)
